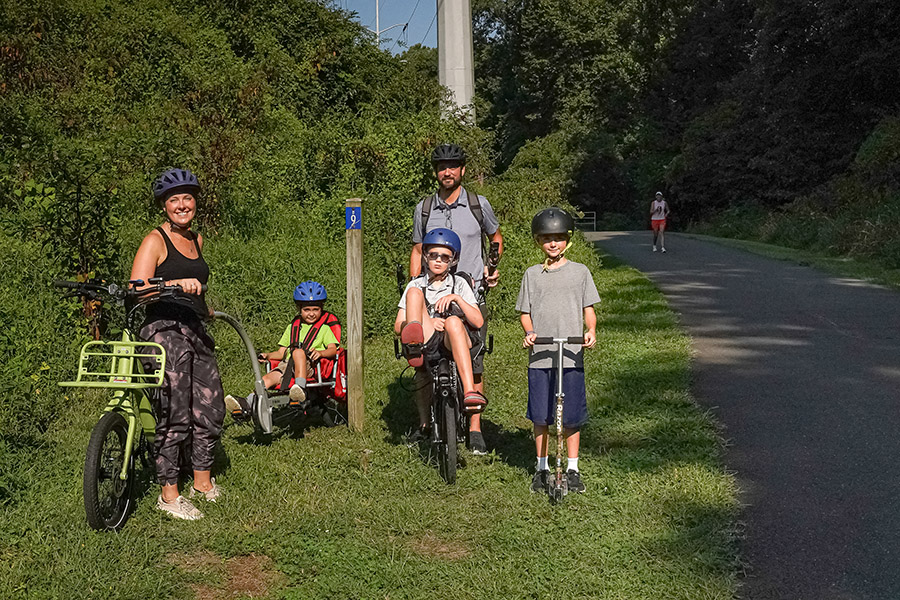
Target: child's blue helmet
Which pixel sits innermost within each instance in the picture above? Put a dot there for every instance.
(310, 291)
(443, 237)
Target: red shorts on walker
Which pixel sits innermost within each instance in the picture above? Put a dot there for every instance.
(658, 224)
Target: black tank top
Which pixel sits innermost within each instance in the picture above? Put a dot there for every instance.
(183, 307)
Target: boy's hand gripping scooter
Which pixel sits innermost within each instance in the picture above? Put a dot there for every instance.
(559, 486)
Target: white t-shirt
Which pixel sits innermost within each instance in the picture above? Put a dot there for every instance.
(438, 289)
(658, 210)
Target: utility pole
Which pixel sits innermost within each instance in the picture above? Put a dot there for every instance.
(456, 60)
(378, 30)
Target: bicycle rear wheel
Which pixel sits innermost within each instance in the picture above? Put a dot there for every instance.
(448, 446)
(107, 497)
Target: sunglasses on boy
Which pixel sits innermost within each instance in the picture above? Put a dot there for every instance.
(439, 256)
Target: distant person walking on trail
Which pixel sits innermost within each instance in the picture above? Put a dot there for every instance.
(471, 217)
(659, 211)
(190, 408)
(556, 299)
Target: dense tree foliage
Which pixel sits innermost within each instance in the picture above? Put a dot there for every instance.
(722, 103)
(283, 109)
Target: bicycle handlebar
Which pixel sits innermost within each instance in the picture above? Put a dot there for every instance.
(91, 288)
(578, 339)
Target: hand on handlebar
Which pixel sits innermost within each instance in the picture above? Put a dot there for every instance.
(491, 279)
(443, 303)
(590, 338)
(189, 285)
(528, 342)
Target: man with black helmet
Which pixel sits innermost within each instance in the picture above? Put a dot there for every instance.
(471, 217)
(556, 299)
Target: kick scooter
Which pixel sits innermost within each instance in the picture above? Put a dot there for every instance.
(559, 486)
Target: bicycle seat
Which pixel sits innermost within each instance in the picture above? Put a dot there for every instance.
(444, 373)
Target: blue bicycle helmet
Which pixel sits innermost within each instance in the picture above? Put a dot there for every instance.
(175, 180)
(443, 237)
(310, 291)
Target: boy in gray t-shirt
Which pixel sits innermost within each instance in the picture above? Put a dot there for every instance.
(556, 299)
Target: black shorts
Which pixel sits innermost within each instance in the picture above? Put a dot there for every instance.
(435, 350)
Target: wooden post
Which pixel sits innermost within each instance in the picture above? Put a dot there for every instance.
(355, 380)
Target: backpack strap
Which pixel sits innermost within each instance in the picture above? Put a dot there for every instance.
(478, 213)
(427, 205)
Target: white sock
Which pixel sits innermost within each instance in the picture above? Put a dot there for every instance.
(572, 464)
(542, 463)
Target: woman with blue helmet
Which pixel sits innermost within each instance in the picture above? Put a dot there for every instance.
(189, 408)
(437, 315)
(295, 351)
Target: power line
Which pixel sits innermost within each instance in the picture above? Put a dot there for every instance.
(429, 28)
(404, 33)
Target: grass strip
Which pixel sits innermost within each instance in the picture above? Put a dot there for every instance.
(843, 266)
(326, 513)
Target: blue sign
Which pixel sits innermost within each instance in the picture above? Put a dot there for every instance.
(353, 217)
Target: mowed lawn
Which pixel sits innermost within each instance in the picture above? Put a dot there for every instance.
(327, 513)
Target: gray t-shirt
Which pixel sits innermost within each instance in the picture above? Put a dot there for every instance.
(458, 217)
(439, 289)
(556, 299)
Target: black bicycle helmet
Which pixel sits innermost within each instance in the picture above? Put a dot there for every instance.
(552, 220)
(448, 153)
(175, 180)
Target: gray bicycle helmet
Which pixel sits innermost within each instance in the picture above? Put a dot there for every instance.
(552, 220)
(175, 180)
(448, 153)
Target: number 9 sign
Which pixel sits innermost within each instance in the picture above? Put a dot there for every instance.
(353, 217)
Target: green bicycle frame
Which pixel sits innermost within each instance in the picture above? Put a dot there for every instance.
(119, 366)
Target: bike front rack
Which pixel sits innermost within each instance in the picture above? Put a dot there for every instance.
(111, 365)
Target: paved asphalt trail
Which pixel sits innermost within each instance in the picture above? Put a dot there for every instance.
(803, 370)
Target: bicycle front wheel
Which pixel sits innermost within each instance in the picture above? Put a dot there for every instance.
(447, 447)
(107, 497)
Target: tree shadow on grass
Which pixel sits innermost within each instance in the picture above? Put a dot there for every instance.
(399, 413)
(18, 455)
(515, 447)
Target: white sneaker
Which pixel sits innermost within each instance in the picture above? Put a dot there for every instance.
(232, 405)
(664, 250)
(297, 393)
(654, 248)
(180, 508)
(211, 494)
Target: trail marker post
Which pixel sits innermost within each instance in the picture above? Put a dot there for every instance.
(355, 387)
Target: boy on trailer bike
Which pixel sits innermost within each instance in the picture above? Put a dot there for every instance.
(438, 313)
(471, 217)
(301, 347)
(556, 299)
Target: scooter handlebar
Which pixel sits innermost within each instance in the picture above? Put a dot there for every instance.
(578, 339)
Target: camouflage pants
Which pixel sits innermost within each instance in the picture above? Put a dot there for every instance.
(190, 408)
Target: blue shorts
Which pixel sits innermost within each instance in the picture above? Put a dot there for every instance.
(542, 397)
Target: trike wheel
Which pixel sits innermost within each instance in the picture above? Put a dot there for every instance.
(107, 497)
(447, 447)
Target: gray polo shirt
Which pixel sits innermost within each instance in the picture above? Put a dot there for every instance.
(458, 217)
(556, 299)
